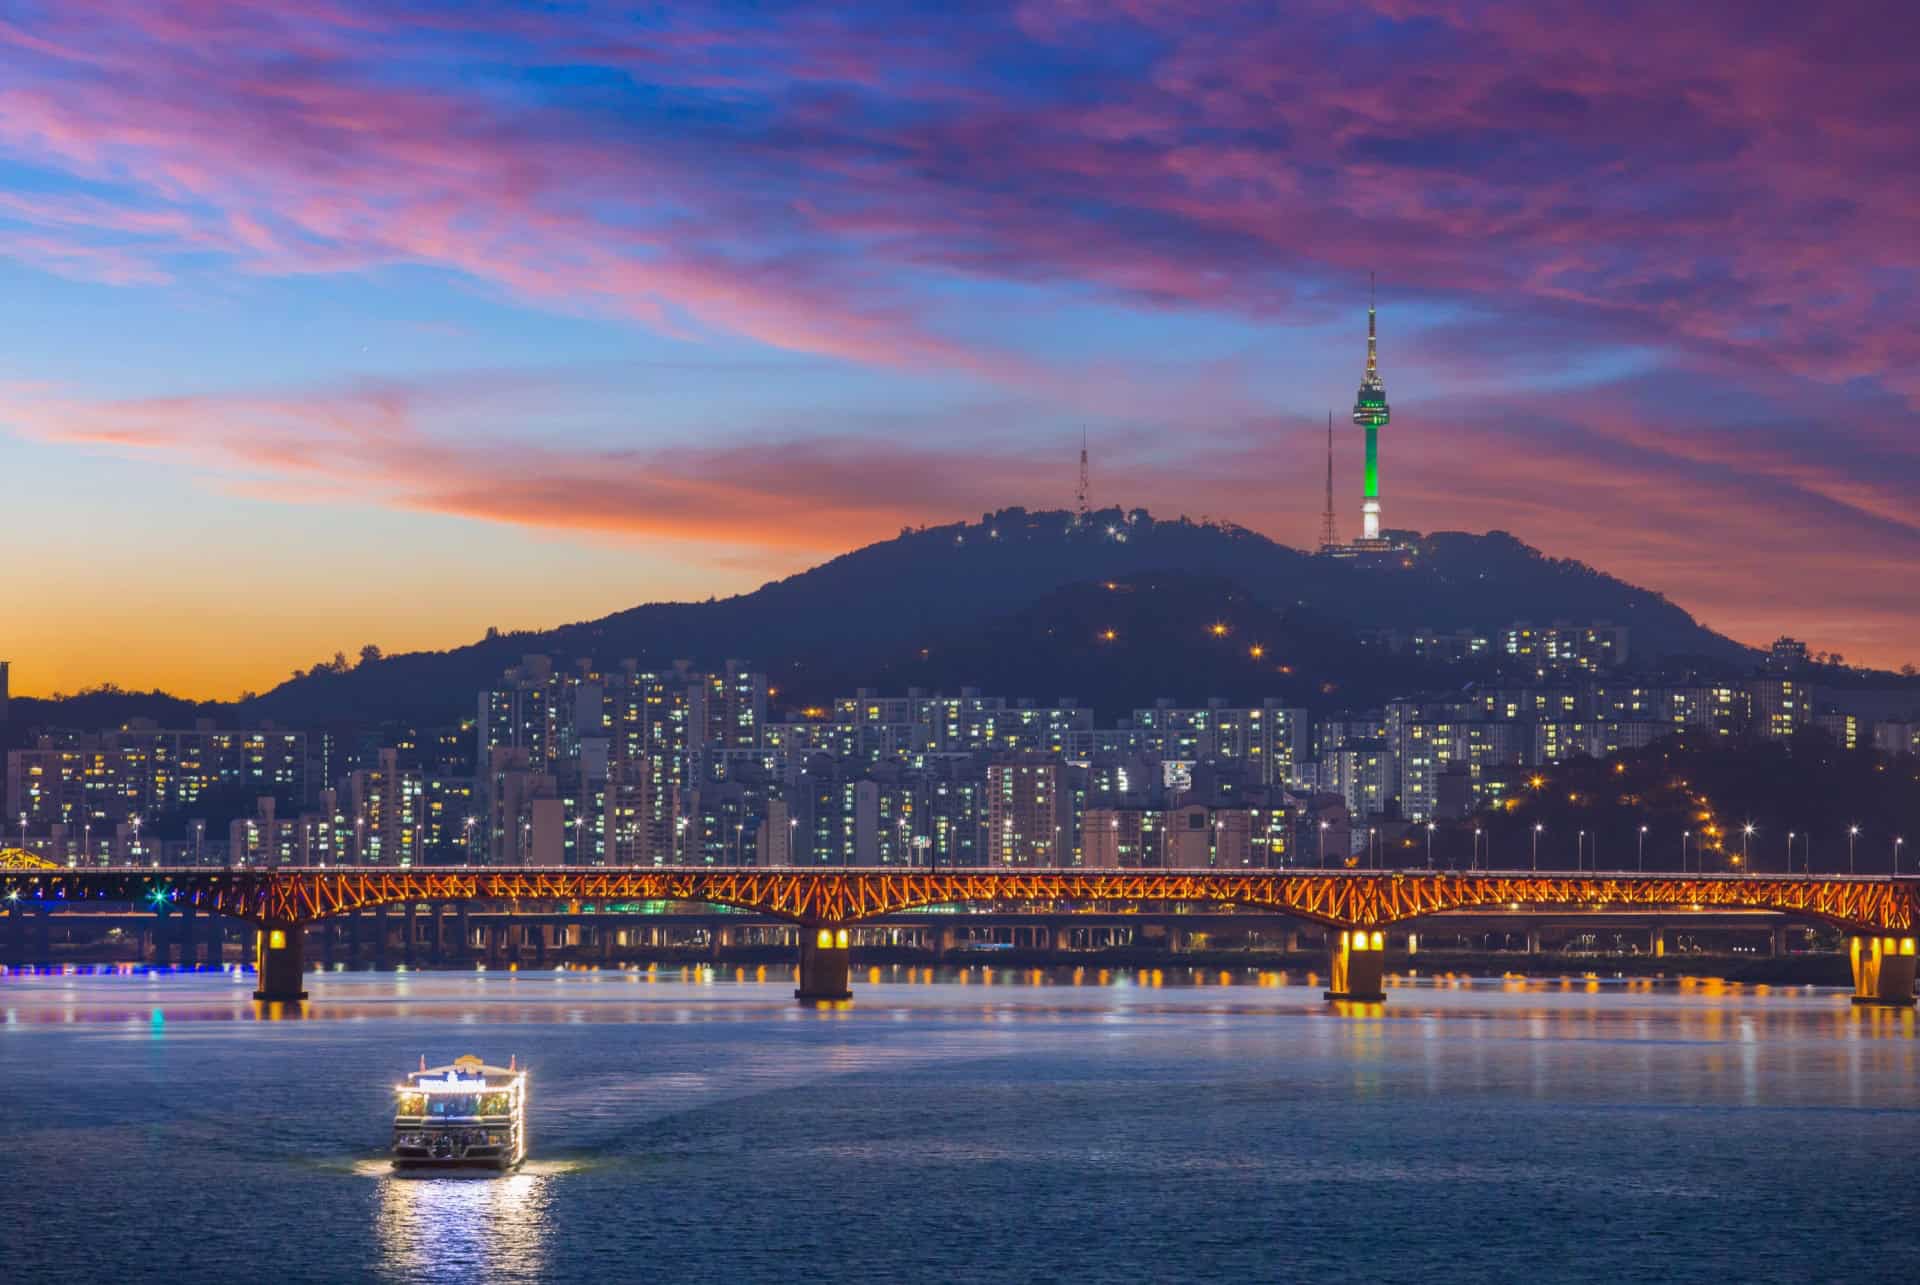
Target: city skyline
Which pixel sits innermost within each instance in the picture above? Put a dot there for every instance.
(360, 325)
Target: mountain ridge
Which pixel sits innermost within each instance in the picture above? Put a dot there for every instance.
(864, 609)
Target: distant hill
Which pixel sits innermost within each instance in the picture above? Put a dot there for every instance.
(963, 592)
(104, 706)
(1116, 645)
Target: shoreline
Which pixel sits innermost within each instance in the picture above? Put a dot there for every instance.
(1789, 970)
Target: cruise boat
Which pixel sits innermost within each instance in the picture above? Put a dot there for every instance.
(466, 1116)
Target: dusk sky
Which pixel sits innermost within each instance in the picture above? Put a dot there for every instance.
(328, 323)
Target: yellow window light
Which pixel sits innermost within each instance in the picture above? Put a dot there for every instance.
(277, 940)
(840, 939)
(1379, 941)
(1906, 945)
(826, 939)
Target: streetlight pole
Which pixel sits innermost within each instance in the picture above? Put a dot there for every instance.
(1746, 861)
(1684, 835)
(1323, 844)
(1475, 863)
(1430, 846)
(1853, 832)
(1643, 849)
(1897, 841)
(1537, 828)
(1580, 853)
(1790, 835)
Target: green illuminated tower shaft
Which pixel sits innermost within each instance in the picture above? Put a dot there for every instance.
(1370, 412)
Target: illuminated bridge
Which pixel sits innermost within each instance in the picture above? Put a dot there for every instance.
(1358, 906)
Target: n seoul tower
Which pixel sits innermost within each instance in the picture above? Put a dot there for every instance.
(1370, 412)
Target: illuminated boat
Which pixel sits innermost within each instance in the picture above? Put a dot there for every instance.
(465, 1116)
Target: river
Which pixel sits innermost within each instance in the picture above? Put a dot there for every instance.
(975, 1126)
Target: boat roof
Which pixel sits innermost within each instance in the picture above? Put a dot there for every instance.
(466, 1072)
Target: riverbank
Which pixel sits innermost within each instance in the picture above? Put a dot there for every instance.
(1812, 969)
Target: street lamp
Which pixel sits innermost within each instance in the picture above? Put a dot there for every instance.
(1643, 849)
(1474, 864)
(1790, 835)
(1746, 833)
(1537, 828)
(1897, 841)
(1684, 836)
(1429, 845)
(1853, 832)
(1323, 844)
(1580, 853)
(468, 827)
(137, 849)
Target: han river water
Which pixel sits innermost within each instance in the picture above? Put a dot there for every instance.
(693, 1126)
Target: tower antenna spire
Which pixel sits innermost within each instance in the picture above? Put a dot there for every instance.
(1373, 358)
(1080, 497)
(1329, 532)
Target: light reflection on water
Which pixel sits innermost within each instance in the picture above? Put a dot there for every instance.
(466, 1228)
(1084, 1123)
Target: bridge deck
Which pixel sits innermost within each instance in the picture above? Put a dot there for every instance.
(840, 895)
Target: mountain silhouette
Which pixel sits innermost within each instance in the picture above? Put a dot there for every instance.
(970, 603)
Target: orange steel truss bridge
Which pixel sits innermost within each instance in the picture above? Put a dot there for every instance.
(1356, 906)
(839, 896)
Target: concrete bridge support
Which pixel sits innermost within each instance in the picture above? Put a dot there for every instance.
(1358, 965)
(188, 920)
(823, 966)
(409, 930)
(1883, 970)
(279, 963)
(43, 934)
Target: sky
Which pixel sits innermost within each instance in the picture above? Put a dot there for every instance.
(328, 323)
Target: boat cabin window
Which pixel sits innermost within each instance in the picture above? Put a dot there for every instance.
(412, 1104)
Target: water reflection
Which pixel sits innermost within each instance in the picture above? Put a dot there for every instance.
(493, 1228)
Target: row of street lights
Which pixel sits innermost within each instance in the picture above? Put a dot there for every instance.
(1687, 837)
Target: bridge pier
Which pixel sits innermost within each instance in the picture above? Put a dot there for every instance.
(162, 938)
(410, 930)
(43, 934)
(1883, 970)
(380, 934)
(1357, 962)
(279, 962)
(823, 966)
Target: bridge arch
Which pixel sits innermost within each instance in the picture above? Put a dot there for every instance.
(21, 859)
